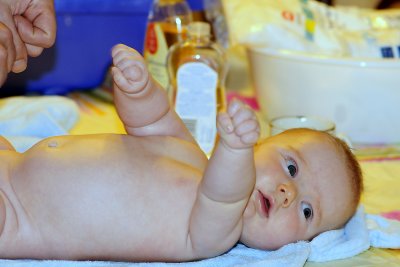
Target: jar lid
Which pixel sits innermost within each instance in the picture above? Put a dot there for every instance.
(199, 28)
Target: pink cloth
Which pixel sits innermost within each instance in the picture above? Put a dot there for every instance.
(248, 100)
(394, 215)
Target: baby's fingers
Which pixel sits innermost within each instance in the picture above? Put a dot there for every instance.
(240, 112)
(242, 115)
(249, 131)
(246, 127)
(234, 106)
(250, 138)
(224, 124)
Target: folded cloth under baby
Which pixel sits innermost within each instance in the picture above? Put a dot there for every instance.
(360, 233)
(26, 120)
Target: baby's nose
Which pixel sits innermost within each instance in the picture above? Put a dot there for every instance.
(287, 192)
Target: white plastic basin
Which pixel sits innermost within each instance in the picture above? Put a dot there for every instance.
(361, 97)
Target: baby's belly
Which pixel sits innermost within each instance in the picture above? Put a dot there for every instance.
(110, 188)
(123, 146)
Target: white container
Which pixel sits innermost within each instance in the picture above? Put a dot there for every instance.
(361, 97)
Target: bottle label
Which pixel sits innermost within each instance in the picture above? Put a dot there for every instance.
(196, 102)
(155, 53)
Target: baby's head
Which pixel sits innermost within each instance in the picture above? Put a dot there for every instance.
(307, 182)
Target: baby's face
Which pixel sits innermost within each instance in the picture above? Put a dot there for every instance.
(301, 190)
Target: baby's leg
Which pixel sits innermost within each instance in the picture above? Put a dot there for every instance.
(5, 144)
(18, 237)
(141, 102)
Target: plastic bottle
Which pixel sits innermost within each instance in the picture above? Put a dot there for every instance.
(197, 75)
(167, 23)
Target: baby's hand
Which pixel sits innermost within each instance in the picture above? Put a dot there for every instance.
(129, 71)
(238, 127)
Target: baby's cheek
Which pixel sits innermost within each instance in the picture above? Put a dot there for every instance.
(289, 228)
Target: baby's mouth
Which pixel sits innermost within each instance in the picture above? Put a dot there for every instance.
(264, 204)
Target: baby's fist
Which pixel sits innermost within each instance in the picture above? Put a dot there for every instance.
(238, 127)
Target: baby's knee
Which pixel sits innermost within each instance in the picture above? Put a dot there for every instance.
(2, 213)
(15, 228)
(5, 144)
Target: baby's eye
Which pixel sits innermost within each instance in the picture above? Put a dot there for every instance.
(307, 210)
(292, 167)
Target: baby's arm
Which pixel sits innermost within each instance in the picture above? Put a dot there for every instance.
(142, 104)
(216, 220)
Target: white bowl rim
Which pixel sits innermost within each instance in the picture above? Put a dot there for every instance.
(323, 59)
(329, 126)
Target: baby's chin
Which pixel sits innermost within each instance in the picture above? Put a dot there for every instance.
(260, 244)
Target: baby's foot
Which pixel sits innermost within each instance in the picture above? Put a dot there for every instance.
(129, 71)
(238, 127)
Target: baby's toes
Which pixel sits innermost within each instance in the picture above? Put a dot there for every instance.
(120, 80)
(133, 70)
(134, 75)
(120, 51)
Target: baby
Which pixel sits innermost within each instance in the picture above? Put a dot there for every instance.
(152, 195)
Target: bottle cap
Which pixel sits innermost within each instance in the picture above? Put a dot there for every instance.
(199, 28)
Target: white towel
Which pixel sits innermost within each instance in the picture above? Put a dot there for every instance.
(361, 232)
(292, 255)
(342, 243)
(26, 120)
(383, 233)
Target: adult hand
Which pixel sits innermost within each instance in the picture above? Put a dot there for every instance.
(36, 24)
(32, 25)
(7, 51)
(13, 55)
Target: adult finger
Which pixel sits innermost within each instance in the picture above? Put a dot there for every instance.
(7, 49)
(17, 55)
(3, 65)
(37, 24)
(33, 50)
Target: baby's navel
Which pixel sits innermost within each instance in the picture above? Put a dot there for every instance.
(52, 143)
